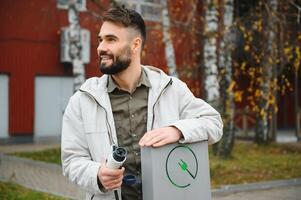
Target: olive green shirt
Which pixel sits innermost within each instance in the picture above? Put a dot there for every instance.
(130, 116)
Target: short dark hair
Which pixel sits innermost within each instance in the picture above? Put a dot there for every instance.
(128, 18)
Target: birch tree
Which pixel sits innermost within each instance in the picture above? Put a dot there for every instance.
(224, 147)
(268, 55)
(169, 49)
(75, 50)
(211, 83)
(263, 122)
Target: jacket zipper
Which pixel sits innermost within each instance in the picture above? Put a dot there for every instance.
(107, 120)
(153, 120)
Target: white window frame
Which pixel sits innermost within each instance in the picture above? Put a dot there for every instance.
(80, 4)
(139, 4)
(4, 106)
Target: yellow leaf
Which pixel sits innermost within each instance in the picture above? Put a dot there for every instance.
(231, 86)
(238, 96)
(247, 48)
(257, 93)
(270, 60)
(243, 66)
(287, 50)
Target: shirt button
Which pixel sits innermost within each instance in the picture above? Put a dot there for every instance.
(132, 116)
(134, 135)
(137, 153)
(131, 97)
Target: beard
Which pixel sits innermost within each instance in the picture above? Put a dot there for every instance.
(119, 63)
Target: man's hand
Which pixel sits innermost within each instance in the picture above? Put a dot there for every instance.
(110, 178)
(160, 137)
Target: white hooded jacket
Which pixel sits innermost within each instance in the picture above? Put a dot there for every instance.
(88, 126)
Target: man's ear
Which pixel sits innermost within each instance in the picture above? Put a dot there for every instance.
(137, 43)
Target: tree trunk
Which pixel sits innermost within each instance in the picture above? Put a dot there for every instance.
(211, 82)
(264, 117)
(169, 49)
(297, 108)
(225, 146)
(75, 51)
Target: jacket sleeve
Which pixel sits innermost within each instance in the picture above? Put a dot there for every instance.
(198, 120)
(76, 159)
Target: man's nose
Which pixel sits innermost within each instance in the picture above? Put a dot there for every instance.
(102, 47)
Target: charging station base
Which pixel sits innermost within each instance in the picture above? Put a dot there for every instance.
(176, 172)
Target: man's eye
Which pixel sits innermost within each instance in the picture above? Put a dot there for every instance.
(111, 39)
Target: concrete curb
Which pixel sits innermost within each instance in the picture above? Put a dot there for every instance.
(39, 176)
(229, 189)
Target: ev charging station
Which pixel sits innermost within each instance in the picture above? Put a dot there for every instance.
(176, 172)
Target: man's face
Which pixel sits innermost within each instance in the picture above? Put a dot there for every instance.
(114, 50)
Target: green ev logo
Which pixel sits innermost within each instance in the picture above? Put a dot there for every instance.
(181, 166)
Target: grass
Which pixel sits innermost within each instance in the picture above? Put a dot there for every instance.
(249, 163)
(252, 163)
(50, 155)
(14, 192)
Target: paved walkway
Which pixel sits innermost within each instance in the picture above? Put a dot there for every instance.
(40, 176)
(270, 190)
(284, 193)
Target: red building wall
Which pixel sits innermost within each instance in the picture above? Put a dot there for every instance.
(30, 46)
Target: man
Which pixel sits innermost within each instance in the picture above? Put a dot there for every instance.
(130, 105)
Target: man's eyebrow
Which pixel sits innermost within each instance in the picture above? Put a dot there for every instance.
(107, 36)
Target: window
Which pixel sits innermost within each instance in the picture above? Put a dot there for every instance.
(63, 4)
(150, 10)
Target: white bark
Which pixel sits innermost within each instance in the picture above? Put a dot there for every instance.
(225, 59)
(79, 73)
(169, 49)
(262, 128)
(210, 55)
(75, 51)
(227, 106)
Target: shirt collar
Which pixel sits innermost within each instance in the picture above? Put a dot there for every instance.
(142, 81)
